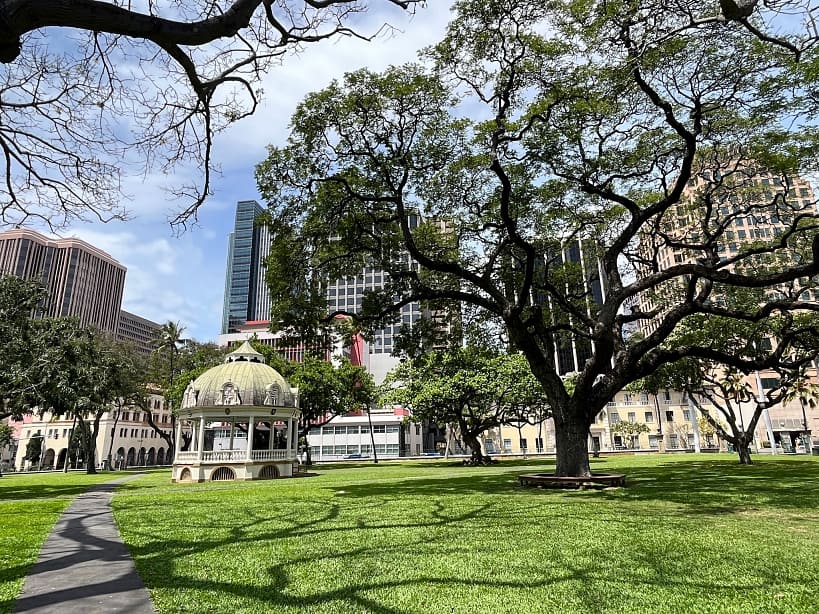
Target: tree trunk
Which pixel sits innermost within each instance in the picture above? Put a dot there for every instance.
(572, 446)
(743, 447)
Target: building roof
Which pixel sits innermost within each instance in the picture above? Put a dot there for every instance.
(243, 380)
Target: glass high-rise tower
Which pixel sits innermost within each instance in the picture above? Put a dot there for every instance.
(247, 298)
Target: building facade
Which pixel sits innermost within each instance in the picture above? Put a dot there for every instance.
(137, 331)
(247, 298)
(352, 436)
(125, 437)
(81, 280)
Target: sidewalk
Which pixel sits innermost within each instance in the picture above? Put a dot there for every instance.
(84, 567)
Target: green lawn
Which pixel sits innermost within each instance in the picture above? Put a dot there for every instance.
(30, 505)
(691, 533)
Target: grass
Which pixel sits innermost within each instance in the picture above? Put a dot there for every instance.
(30, 505)
(690, 533)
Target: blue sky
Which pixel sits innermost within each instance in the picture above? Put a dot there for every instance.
(182, 278)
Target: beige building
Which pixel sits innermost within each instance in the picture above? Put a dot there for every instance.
(124, 434)
(81, 280)
(673, 426)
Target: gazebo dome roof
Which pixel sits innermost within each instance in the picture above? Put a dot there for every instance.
(244, 380)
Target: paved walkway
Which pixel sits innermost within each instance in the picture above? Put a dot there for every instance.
(84, 567)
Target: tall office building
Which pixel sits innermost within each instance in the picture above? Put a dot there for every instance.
(589, 284)
(247, 298)
(81, 280)
(137, 331)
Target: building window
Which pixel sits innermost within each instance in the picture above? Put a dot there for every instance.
(523, 445)
(687, 415)
(539, 444)
(632, 416)
(669, 415)
(649, 417)
(614, 417)
(654, 442)
(507, 446)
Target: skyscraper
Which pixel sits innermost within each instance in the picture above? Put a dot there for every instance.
(81, 280)
(581, 267)
(246, 295)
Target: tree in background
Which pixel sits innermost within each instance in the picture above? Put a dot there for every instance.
(708, 431)
(81, 374)
(534, 127)
(6, 437)
(135, 88)
(327, 391)
(34, 449)
(181, 366)
(19, 299)
(473, 389)
(629, 430)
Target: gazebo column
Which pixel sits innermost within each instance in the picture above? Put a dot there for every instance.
(178, 443)
(289, 436)
(201, 438)
(250, 428)
(232, 431)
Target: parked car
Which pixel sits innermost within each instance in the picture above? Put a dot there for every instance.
(355, 456)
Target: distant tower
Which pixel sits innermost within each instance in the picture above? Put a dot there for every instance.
(81, 280)
(571, 350)
(247, 298)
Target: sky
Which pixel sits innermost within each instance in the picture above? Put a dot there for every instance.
(181, 278)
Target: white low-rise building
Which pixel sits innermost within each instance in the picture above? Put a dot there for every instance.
(391, 430)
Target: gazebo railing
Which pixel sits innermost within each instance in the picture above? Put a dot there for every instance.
(270, 454)
(227, 456)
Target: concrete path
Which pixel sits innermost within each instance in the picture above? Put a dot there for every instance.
(84, 567)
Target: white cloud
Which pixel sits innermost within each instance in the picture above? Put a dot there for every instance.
(182, 278)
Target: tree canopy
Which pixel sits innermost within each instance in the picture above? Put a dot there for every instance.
(640, 134)
(469, 388)
(19, 299)
(95, 91)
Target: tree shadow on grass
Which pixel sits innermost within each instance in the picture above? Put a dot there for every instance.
(277, 588)
(724, 486)
(706, 486)
(698, 486)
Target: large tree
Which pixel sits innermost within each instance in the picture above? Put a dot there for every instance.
(469, 389)
(629, 130)
(81, 374)
(19, 299)
(97, 91)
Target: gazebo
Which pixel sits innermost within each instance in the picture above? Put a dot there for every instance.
(239, 421)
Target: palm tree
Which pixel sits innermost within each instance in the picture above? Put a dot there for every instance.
(806, 392)
(168, 339)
